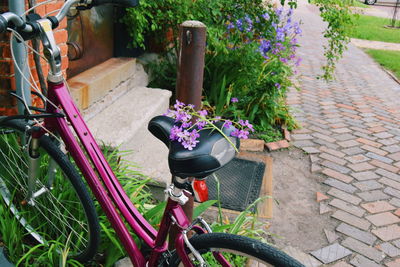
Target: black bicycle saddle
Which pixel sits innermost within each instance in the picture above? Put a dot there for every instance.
(210, 154)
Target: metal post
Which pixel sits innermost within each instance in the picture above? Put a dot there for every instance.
(22, 86)
(189, 86)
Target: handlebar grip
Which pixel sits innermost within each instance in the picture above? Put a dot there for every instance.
(124, 3)
(3, 24)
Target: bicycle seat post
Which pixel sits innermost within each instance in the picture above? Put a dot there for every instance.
(175, 190)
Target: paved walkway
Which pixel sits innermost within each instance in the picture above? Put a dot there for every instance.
(376, 44)
(378, 11)
(351, 129)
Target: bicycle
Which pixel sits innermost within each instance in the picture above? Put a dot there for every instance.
(46, 194)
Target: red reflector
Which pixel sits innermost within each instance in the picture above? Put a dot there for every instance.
(200, 190)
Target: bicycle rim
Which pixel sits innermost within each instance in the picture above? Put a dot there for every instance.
(59, 210)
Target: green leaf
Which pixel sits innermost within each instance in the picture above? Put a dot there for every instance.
(203, 207)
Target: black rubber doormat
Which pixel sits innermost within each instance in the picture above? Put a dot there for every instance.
(240, 183)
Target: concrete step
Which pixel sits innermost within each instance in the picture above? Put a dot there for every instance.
(115, 102)
(123, 124)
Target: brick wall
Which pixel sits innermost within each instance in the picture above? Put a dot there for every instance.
(7, 77)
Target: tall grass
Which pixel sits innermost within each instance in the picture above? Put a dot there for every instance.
(23, 251)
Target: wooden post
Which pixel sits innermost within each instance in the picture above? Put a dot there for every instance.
(189, 85)
(191, 62)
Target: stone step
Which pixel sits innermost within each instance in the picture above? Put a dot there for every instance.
(115, 102)
(123, 124)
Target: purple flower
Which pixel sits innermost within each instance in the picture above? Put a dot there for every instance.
(189, 139)
(200, 124)
(239, 24)
(203, 113)
(246, 124)
(283, 60)
(280, 34)
(182, 116)
(174, 133)
(249, 23)
(227, 124)
(264, 48)
(234, 100)
(243, 134)
(279, 11)
(298, 61)
(235, 132)
(266, 16)
(230, 26)
(278, 85)
(297, 29)
(187, 124)
(179, 105)
(217, 118)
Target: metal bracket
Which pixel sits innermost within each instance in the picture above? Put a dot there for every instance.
(51, 50)
(176, 194)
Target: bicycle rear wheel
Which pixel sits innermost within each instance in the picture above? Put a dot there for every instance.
(238, 251)
(61, 208)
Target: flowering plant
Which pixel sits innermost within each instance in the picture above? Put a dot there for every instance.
(190, 122)
(254, 61)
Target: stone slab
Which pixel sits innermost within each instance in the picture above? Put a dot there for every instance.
(367, 175)
(330, 236)
(356, 233)
(378, 206)
(302, 257)
(331, 253)
(389, 249)
(387, 233)
(373, 195)
(324, 208)
(344, 196)
(340, 204)
(351, 219)
(340, 185)
(382, 219)
(368, 185)
(361, 261)
(363, 249)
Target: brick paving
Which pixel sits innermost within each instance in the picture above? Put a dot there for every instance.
(351, 129)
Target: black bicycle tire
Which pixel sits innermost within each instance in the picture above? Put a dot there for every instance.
(240, 244)
(76, 181)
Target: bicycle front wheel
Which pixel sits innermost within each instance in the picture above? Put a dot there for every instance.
(238, 251)
(47, 196)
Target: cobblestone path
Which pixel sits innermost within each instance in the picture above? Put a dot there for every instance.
(351, 129)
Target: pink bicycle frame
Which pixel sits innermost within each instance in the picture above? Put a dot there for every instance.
(106, 187)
